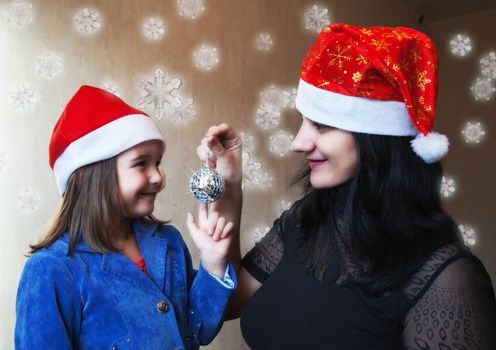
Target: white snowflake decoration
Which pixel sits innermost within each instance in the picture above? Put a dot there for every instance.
(154, 28)
(87, 21)
(184, 114)
(271, 104)
(253, 175)
(206, 57)
(473, 132)
(273, 98)
(3, 161)
(283, 205)
(190, 8)
(162, 98)
(280, 143)
(483, 89)
(290, 98)
(23, 98)
(267, 118)
(488, 65)
(49, 66)
(29, 199)
(19, 13)
(460, 45)
(247, 141)
(161, 93)
(316, 18)
(468, 234)
(111, 87)
(448, 187)
(264, 42)
(258, 233)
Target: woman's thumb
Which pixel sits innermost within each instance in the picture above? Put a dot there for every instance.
(216, 147)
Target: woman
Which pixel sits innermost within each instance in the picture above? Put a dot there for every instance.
(367, 259)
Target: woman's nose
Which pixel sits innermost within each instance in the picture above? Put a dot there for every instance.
(302, 142)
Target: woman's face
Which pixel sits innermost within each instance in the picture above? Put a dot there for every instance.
(331, 153)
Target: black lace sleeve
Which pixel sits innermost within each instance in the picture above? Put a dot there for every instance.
(457, 311)
(262, 259)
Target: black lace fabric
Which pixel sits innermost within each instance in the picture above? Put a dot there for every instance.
(447, 304)
(262, 260)
(454, 306)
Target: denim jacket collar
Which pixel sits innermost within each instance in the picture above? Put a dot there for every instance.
(152, 247)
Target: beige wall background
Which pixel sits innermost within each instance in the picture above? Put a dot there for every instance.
(45, 55)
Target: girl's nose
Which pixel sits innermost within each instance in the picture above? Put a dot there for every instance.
(156, 176)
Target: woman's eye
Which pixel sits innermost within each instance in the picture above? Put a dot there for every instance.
(141, 164)
(319, 126)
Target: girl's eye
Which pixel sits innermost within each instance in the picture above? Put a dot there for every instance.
(141, 164)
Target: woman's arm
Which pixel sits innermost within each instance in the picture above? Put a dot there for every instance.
(224, 144)
(458, 311)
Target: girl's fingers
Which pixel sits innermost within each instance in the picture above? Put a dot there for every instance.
(203, 216)
(219, 228)
(227, 230)
(190, 222)
(213, 217)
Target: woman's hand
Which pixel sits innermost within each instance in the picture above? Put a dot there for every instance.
(224, 144)
(212, 236)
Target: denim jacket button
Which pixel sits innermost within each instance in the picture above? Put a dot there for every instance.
(162, 307)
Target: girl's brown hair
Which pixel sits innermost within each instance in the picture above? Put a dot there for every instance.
(91, 210)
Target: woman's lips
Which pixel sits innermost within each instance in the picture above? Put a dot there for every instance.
(314, 163)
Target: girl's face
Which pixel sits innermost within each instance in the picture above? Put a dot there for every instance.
(331, 153)
(139, 177)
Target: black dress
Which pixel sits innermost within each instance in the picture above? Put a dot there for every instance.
(447, 304)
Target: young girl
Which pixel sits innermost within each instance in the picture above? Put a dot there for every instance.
(108, 275)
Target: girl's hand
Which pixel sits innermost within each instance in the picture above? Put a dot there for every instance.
(224, 144)
(212, 237)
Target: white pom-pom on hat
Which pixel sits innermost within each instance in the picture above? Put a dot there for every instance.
(431, 147)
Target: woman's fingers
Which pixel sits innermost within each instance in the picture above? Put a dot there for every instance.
(205, 150)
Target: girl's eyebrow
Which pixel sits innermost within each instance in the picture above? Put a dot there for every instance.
(145, 155)
(139, 156)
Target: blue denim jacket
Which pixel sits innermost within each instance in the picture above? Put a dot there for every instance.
(104, 301)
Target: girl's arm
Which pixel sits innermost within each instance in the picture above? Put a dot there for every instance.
(48, 311)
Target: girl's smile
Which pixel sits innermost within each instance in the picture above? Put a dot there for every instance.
(139, 177)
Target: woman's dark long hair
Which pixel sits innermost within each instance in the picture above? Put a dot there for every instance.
(393, 217)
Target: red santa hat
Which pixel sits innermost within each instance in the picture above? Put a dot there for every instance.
(95, 125)
(375, 80)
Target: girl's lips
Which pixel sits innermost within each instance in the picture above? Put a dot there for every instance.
(313, 163)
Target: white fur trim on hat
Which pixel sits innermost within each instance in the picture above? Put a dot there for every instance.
(431, 147)
(354, 113)
(104, 143)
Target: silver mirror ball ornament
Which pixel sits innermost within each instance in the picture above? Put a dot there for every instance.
(206, 184)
